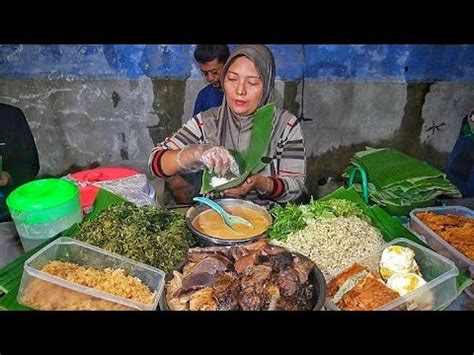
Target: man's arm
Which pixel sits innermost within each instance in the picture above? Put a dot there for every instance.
(199, 103)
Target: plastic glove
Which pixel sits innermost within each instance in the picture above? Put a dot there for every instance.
(217, 159)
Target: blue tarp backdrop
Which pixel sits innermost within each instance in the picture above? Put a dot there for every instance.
(324, 63)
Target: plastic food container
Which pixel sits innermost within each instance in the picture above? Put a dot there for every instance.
(437, 243)
(44, 208)
(439, 273)
(53, 293)
(469, 291)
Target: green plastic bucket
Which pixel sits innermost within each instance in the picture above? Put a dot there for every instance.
(43, 208)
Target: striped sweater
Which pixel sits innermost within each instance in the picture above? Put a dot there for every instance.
(287, 169)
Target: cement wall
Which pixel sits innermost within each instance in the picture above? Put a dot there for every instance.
(83, 123)
(95, 105)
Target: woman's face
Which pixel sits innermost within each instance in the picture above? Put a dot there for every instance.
(243, 87)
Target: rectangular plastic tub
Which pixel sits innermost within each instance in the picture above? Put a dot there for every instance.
(439, 273)
(42, 291)
(437, 243)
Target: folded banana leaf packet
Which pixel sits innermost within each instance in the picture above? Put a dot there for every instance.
(253, 160)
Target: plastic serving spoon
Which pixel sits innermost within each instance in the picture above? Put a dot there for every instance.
(228, 219)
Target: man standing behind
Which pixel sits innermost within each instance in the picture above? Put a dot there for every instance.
(211, 58)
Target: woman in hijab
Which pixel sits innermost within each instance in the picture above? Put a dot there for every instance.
(248, 80)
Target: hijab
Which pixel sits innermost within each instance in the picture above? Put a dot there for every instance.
(224, 127)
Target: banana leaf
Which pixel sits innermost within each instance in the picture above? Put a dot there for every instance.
(388, 166)
(399, 183)
(103, 200)
(253, 160)
(10, 279)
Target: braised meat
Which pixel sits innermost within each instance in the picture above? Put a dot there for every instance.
(245, 262)
(257, 246)
(280, 261)
(303, 267)
(251, 300)
(273, 250)
(197, 254)
(203, 300)
(211, 265)
(287, 281)
(195, 281)
(272, 296)
(226, 291)
(256, 276)
(238, 252)
(306, 296)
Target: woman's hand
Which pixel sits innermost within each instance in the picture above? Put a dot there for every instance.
(217, 159)
(4, 178)
(260, 183)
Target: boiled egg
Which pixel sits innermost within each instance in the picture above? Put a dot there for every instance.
(405, 283)
(397, 259)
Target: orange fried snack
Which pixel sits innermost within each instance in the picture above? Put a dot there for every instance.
(335, 284)
(367, 295)
(458, 231)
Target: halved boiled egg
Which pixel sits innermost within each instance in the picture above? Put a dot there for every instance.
(397, 259)
(405, 283)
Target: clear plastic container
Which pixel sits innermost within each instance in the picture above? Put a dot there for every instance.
(42, 291)
(32, 235)
(44, 208)
(469, 291)
(437, 243)
(439, 273)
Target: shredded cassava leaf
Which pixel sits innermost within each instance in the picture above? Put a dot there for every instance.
(153, 236)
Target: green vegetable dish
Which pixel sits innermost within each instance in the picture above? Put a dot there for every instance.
(293, 218)
(287, 220)
(153, 236)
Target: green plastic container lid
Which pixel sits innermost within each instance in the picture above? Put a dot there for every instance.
(44, 194)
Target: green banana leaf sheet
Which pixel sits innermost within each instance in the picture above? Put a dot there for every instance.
(399, 183)
(387, 166)
(253, 160)
(10, 275)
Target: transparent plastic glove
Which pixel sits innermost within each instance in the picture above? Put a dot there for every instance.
(217, 159)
